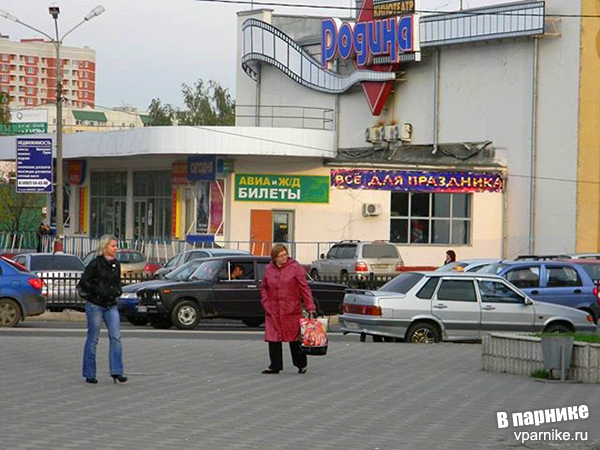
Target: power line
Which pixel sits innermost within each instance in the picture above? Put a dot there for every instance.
(422, 11)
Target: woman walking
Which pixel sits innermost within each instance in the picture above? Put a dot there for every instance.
(100, 285)
(283, 289)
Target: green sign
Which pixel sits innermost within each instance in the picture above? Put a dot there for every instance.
(281, 188)
(23, 128)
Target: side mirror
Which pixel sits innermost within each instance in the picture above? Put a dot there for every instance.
(322, 256)
(528, 301)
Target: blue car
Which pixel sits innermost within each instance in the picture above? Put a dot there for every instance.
(559, 282)
(20, 293)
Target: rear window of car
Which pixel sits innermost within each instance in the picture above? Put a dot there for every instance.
(130, 257)
(15, 265)
(402, 283)
(494, 269)
(373, 251)
(56, 262)
(593, 270)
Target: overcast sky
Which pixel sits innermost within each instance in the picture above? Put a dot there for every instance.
(147, 48)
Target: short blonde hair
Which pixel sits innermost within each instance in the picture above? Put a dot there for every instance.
(277, 249)
(104, 241)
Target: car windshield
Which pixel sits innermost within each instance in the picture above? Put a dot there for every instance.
(377, 251)
(494, 269)
(593, 270)
(402, 283)
(206, 271)
(184, 271)
(41, 263)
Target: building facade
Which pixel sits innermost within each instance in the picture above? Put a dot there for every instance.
(28, 71)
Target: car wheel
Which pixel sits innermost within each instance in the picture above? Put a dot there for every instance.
(423, 333)
(186, 315)
(557, 328)
(253, 322)
(10, 313)
(137, 321)
(161, 323)
(314, 274)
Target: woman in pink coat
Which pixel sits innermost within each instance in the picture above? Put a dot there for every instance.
(283, 289)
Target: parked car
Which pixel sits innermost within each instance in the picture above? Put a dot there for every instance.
(128, 301)
(20, 293)
(354, 258)
(210, 292)
(425, 307)
(189, 255)
(552, 281)
(468, 265)
(61, 273)
(585, 256)
(133, 262)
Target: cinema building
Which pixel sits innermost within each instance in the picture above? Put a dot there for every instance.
(475, 131)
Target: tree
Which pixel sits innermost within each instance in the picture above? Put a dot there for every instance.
(19, 212)
(209, 105)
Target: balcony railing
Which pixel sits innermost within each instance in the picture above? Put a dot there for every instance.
(281, 116)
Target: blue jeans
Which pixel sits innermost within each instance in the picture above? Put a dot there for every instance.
(95, 314)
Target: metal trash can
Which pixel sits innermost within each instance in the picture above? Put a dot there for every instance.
(557, 352)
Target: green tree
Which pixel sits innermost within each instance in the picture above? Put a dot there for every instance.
(19, 212)
(206, 104)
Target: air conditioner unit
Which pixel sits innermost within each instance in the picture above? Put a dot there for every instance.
(371, 209)
(392, 133)
(374, 134)
(407, 130)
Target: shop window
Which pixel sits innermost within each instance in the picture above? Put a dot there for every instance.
(430, 218)
(152, 204)
(108, 191)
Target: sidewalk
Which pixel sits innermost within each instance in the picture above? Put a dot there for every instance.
(199, 393)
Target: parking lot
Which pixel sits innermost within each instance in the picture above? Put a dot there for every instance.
(203, 389)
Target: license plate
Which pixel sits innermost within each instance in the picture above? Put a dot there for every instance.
(352, 325)
(381, 266)
(142, 309)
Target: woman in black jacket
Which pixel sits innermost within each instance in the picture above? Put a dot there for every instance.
(100, 285)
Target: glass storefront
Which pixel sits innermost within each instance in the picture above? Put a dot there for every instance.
(108, 203)
(152, 204)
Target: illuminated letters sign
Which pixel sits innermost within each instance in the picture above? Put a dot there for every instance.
(385, 29)
(416, 181)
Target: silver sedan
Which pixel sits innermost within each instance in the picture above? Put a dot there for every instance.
(432, 306)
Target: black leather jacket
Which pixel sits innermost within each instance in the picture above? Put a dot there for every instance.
(102, 281)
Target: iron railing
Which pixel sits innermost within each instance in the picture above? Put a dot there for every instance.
(282, 116)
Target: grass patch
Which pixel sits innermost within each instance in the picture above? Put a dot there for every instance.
(542, 374)
(581, 337)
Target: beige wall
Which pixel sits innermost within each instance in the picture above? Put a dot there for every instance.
(343, 219)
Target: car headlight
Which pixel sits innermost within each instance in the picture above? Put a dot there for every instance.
(129, 295)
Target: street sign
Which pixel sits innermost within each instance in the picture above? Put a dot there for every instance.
(34, 165)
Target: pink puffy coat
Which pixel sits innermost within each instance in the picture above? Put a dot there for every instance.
(282, 291)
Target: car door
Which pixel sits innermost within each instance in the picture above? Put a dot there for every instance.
(563, 285)
(326, 266)
(503, 308)
(237, 298)
(455, 304)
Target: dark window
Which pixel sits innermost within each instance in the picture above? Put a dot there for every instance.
(402, 283)
(525, 277)
(334, 252)
(241, 270)
(399, 205)
(375, 251)
(563, 277)
(56, 263)
(172, 262)
(347, 251)
(196, 255)
(184, 271)
(593, 270)
(497, 292)
(427, 291)
(13, 264)
(457, 291)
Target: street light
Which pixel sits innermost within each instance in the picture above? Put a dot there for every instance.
(54, 11)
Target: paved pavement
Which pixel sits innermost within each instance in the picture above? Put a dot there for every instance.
(205, 392)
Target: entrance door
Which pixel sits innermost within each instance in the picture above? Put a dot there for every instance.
(140, 208)
(261, 231)
(283, 226)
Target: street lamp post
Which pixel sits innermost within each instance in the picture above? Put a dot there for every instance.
(57, 41)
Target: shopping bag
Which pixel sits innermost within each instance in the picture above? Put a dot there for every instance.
(313, 337)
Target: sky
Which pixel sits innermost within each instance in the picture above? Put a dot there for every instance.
(146, 49)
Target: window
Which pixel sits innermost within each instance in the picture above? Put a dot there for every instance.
(74, 62)
(427, 291)
(30, 101)
(457, 291)
(30, 91)
(197, 255)
(31, 70)
(402, 283)
(4, 57)
(152, 204)
(4, 88)
(30, 80)
(593, 270)
(56, 263)
(30, 59)
(375, 251)
(430, 218)
(333, 252)
(5, 78)
(240, 271)
(108, 191)
(347, 251)
(172, 262)
(498, 292)
(4, 67)
(524, 277)
(562, 277)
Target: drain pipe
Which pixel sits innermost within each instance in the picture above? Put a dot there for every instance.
(533, 161)
(257, 98)
(436, 99)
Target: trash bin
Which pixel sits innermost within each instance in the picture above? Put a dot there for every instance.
(557, 352)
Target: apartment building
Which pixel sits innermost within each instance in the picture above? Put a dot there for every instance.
(28, 72)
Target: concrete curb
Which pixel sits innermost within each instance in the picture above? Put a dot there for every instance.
(68, 315)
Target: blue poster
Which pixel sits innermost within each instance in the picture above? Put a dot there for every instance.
(34, 165)
(202, 168)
